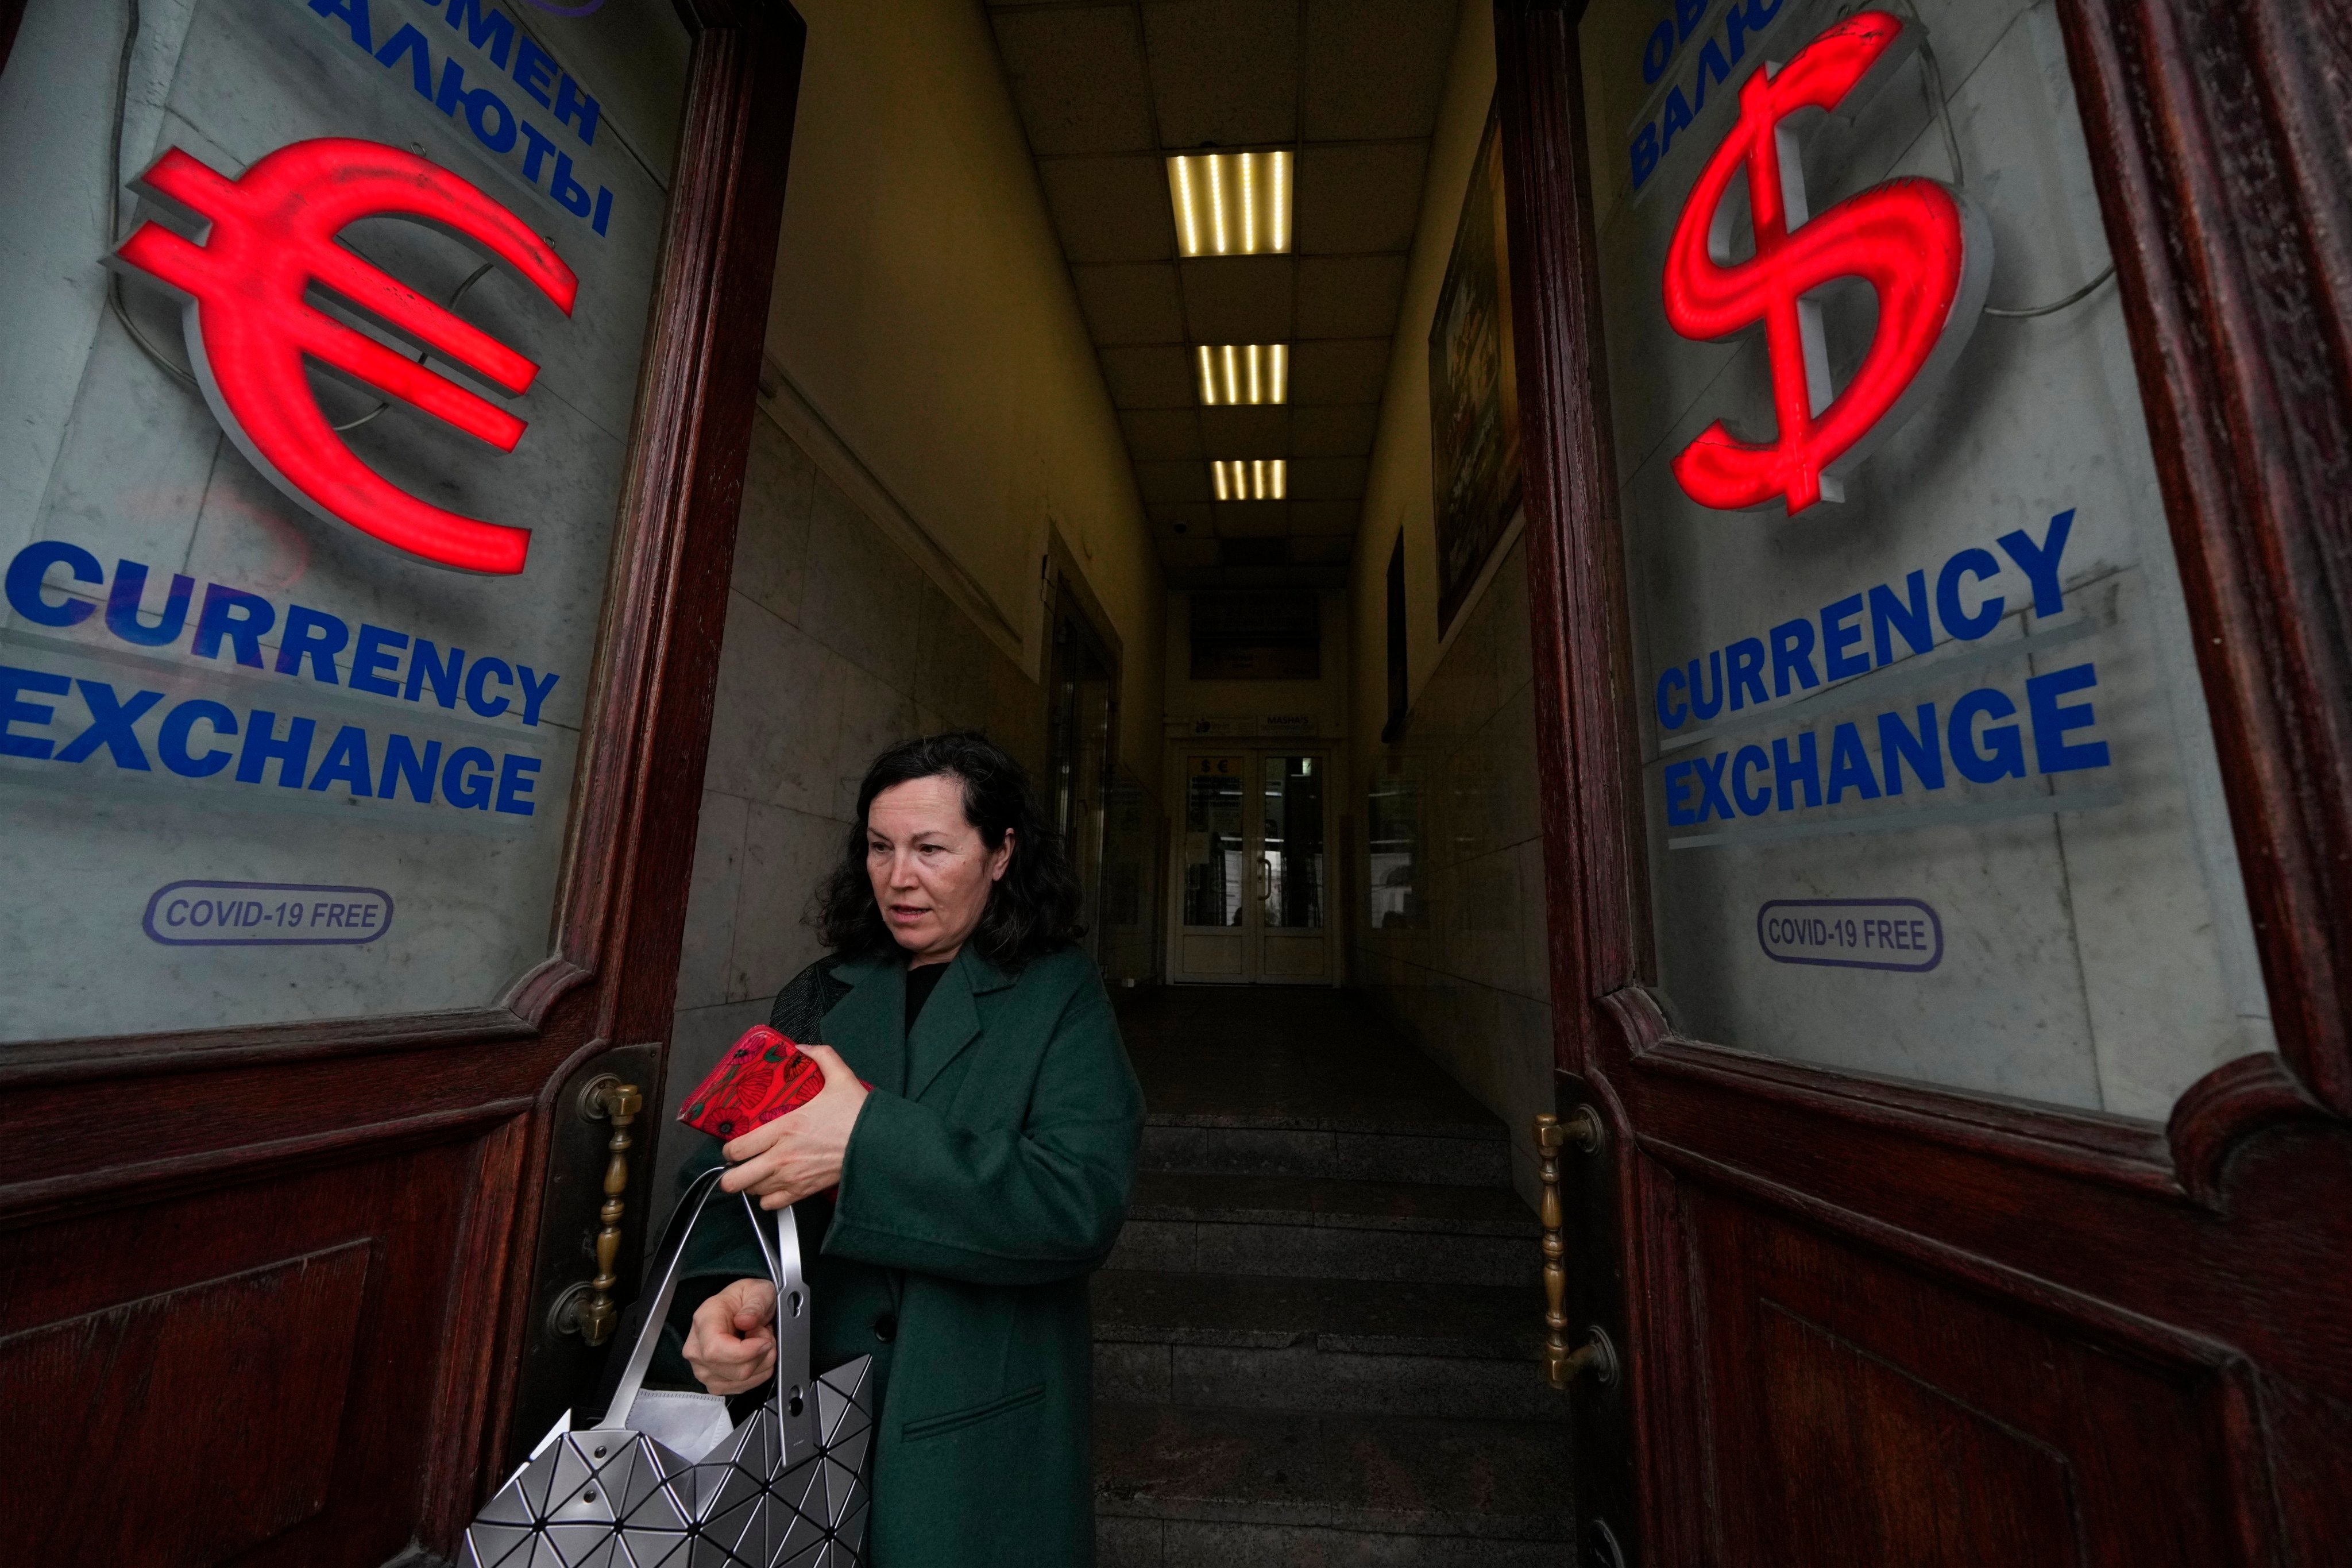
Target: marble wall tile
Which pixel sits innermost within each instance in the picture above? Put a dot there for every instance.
(862, 597)
(1518, 800)
(1535, 922)
(771, 540)
(703, 966)
(1470, 980)
(873, 717)
(777, 717)
(951, 666)
(786, 854)
(1491, 951)
(1505, 606)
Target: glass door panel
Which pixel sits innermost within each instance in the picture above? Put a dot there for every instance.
(1931, 781)
(1216, 879)
(1290, 859)
(1214, 843)
(1291, 942)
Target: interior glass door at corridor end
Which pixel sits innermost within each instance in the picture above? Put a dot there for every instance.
(1253, 881)
(1964, 1043)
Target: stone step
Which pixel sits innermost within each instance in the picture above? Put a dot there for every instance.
(1178, 1487)
(1259, 1342)
(1474, 1153)
(1320, 1227)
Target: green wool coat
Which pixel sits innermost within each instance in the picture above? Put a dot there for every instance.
(988, 1175)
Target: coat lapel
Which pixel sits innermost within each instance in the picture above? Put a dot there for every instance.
(949, 1020)
(868, 1026)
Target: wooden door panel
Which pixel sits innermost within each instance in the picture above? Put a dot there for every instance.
(289, 1328)
(1893, 1417)
(209, 1388)
(1879, 1322)
(1877, 1467)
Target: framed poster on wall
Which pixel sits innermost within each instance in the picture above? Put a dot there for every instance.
(1474, 407)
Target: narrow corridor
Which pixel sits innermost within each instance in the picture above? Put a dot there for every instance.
(1316, 1343)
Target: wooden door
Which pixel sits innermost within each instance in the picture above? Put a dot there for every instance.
(266, 1289)
(1869, 1306)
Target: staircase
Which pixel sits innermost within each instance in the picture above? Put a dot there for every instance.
(1315, 1342)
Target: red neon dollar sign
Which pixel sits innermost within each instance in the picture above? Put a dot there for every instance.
(268, 237)
(1916, 241)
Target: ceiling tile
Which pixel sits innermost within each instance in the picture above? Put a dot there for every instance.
(1076, 75)
(1341, 370)
(1162, 433)
(1328, 549)
(1253, 519)
(1312, 517)
(1182, 519)
(1238, 299)
(1327, 479)
(1342, 431)
(1245, 432)
(1110, 209)
(1131, 303)
(1374, 67)
(1359, 198)
(1197, 554)
(1189, 575)
(1350, 296)
(1153, 376)
(1268, 551)
(1223, 71)
(1165, 482)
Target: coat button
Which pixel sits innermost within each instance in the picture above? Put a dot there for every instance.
(886, 1327)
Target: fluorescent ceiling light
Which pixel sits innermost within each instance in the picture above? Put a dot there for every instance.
(1231, 204)
(1244, 373)
(1251, 478)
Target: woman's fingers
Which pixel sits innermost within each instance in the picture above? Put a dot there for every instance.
(766, 1174)
(758, 1141)
(756, 1297)
(732, 1345)
(828, 1062)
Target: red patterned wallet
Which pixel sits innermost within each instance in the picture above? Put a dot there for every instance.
(764, 1076)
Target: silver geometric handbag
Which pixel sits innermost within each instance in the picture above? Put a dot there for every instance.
(664, 1481)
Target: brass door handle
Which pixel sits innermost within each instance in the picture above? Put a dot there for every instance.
(1563, 1365)
(586, 1308)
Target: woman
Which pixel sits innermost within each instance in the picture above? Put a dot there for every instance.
(981, 1178)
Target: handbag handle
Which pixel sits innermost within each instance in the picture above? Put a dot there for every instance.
(794, 1397)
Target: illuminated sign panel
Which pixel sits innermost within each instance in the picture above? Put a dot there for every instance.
(268, 237)
(1916, 242)
(1928, 777)
(311, 459)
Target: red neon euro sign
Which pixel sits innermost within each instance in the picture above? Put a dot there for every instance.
(1918, 242)
(266, 238)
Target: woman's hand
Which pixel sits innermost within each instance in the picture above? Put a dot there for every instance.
(801, 1153)
(732, 1346)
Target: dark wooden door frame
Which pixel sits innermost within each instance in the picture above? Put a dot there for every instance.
(244, 1106)
(2219, 132)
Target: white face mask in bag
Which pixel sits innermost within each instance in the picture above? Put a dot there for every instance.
(667, 1480)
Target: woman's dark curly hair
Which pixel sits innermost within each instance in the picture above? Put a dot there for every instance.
(1031, 911)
